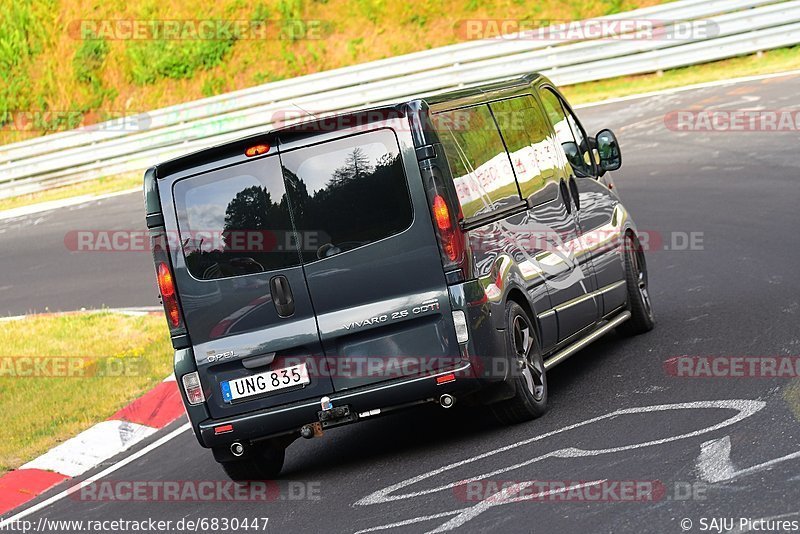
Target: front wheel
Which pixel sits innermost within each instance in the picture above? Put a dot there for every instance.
(642, 319)
(530, 379)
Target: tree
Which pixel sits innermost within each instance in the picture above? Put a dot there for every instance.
(356, 166)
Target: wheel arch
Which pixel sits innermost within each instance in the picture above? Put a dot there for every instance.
(516, 295)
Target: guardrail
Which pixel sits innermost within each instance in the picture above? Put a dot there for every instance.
(740, 27)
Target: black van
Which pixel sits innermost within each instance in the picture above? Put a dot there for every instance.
(443, 248)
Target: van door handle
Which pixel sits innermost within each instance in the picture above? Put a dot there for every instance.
(282, 295)
(565, 194)
(574, 193)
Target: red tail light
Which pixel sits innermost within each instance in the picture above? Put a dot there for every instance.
(166, 286)
(450, 233)
(441, 213)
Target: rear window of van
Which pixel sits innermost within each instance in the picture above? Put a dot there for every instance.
(305, 205)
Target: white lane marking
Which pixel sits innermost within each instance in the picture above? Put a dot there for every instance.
(39, 207)
(501, 498)
(704, 85)
(745, 408)
(714, 463)
(411, 521)
(119, 465)
(471, 512)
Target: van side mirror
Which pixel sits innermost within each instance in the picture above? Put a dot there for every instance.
(608, 150)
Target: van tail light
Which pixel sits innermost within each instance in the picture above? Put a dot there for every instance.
(448, 231)
(451, 237)
(166, 285)
(193, 388)
(167, 288)
(445, 212)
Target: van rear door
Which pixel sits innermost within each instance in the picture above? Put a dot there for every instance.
(244, 296)
(370, 255)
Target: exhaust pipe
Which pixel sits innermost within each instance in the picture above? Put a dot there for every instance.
(447, 401)
(237, 449)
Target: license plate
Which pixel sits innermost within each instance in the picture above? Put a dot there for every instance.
(267, 382)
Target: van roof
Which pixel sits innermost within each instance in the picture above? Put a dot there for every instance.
(399, 109)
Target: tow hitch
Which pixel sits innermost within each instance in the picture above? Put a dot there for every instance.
(335, 416)
(329, 416)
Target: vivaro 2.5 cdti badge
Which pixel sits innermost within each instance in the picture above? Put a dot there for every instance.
(442, 249)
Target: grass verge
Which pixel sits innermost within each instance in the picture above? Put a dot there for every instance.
(770, 62)
(80, 370)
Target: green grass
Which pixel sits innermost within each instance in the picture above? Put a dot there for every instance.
(113, 359)
(152, 61)
(89, 58)
(24, 37)
(99, 186)
(773, 61)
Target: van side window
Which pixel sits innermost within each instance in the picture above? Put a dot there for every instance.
(569, 134)
(530, 146)
(230, 221)
(478, 160)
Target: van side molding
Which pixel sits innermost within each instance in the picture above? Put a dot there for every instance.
(495, 215)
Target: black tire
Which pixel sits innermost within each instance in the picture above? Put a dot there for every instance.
(642, 319)
(264, 463)
(530, 379)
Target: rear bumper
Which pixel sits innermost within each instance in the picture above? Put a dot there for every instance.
(290, 418)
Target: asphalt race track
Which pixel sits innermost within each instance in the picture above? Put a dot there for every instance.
(722, 209)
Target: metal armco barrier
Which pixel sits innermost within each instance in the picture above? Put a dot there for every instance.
(734, 27)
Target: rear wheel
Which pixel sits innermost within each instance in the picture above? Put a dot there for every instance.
(530, 379)
(263, 462)
(642, 319)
